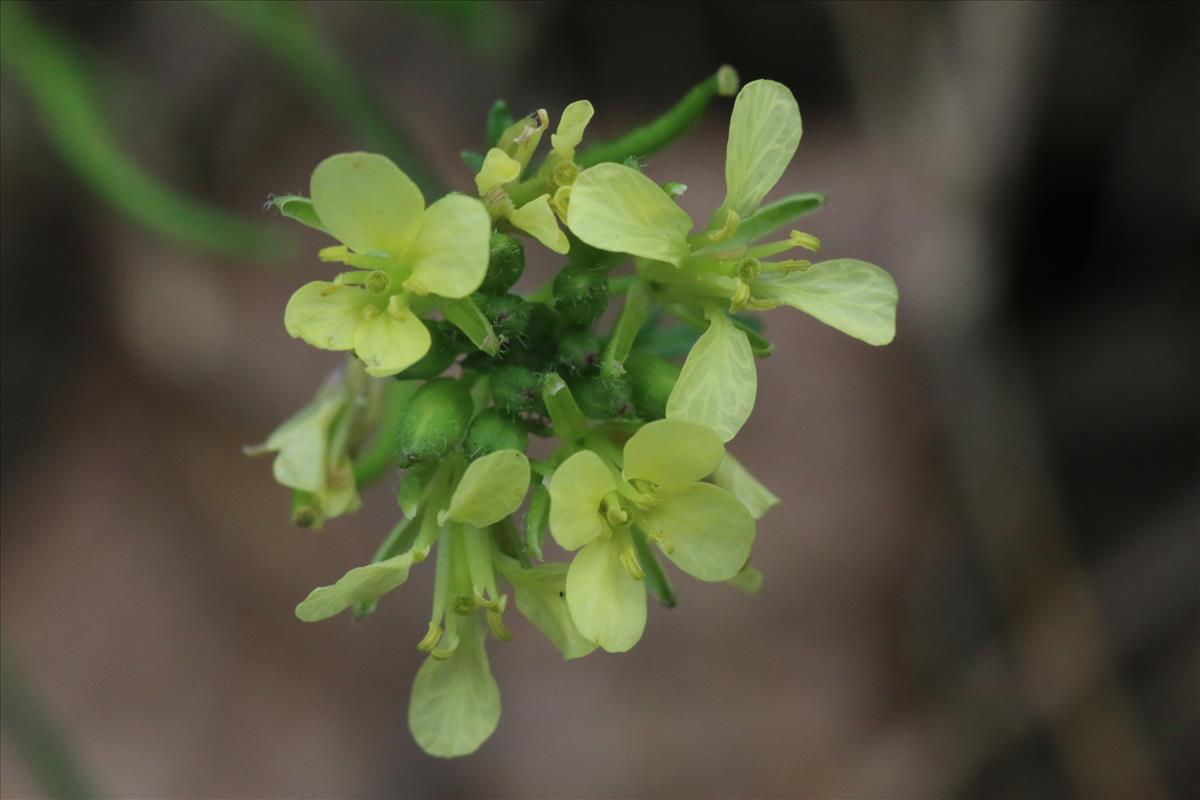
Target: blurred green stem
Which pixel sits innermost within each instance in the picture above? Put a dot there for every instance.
(669, 126)
(379, 454)
(45, 66)
(285, 30)
(34, 734)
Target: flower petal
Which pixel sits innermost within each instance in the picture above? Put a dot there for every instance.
(733, 477)
(710, 532)
(537, 219)
(391, 341)
(576, 489)
(492, 488)
(359, 585)
(571, 125)
(717, 385)
(764, 133)
(857, 298)
(367, 202)
(617, 208)
(450, 254)
(670, 452)
(325, 314)
(607, 604)
(455, 703)
(498, 169)
(541, 597)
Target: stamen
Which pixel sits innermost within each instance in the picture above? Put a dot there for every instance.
(805, 240)
(629, 560)
(398, 306)
(431, 638)
(370, 312)
(337, 252)
(728, 228)
(497, 625)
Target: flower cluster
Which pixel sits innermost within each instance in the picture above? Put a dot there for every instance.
(453, 372)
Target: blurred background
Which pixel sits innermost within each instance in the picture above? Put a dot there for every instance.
(982, 581)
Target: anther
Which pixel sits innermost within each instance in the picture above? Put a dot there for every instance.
(629, 560)
(431, 638)
(497, 625)
(728, 227)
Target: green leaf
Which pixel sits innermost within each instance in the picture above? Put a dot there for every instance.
(709, 531)
(733, 477)
(492, 488)
(634, 314)
(771, 218)
(466, 316)
(541, 597)
(607, 604)
(498, 119)
(718, 383)
(536, 520)
(764, 133)
(857, 298)
(359, 585)
(455, 703)
(472, 159)
(576, 489)
(294, 206)
(367, 203)
(619, 209)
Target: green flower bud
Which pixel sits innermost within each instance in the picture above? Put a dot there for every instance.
(412, 489)
(581, 295)
(651, 380)
(493, 430)
(579, 350)
(434, 422)
(516, 390)
(603, 397)
(445, 344)
(508, 314)
(505, 265)
(541, 336)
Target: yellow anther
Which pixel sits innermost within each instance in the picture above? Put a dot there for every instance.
(741, 296)
(497, 625)
(561, 202)
(805, 240)
(431, 638)
(328, 290)
(540, 120)
(728, 227)
(335, 252)
(370, 312)
(629, 560)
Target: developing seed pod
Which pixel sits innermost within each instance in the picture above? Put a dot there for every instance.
(508, 314)
(444, 346)
(493, 430)
(505, 264)
(604, 398)
(434, 422)
(651, 380)
(581, 295)
(516, 390)
(579, 350)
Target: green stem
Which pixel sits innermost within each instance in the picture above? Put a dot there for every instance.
(33, 733)
(633, 316)
(379, 454)
(656, 579)
(58, 82)
(668, 127)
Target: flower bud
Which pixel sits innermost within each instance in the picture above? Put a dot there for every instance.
(508, 314)
(505, 264)
(516, 390)
(579, 350)
(651, 380)
(493, 430)
(604, 397)
(445, 344)
(581, 295)
(541, 336)
(434, 422)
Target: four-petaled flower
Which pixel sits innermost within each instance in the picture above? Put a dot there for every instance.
(403, 252)
(657, 490)
(617, 208)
